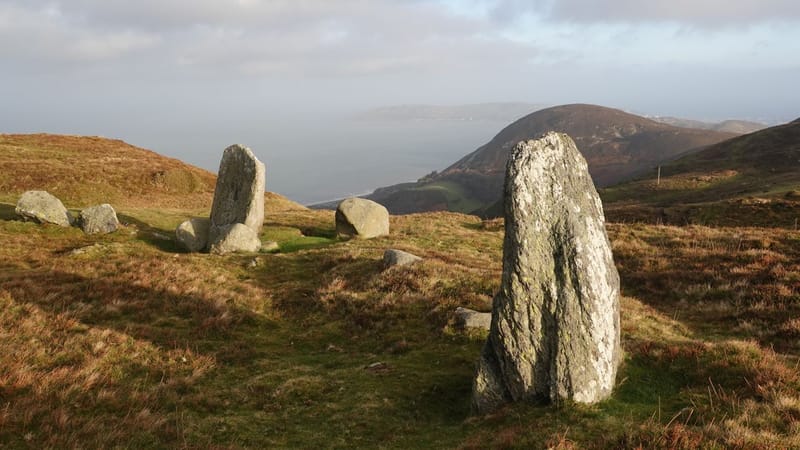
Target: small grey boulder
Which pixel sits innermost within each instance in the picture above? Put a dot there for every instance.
(466, 318)
(99, 219)
(192, 234)
(234, 238)
(42, 207)
(361, 218)
(392, 257)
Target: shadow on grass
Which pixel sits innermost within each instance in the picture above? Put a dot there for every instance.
(7, 212)
(278, 376)
(159, 238)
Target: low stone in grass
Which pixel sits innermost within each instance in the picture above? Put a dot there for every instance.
(466, 319)
(99, 219)
(392, 257)
(43, 207)
(235, 238)
(361, 218)
(192, 234)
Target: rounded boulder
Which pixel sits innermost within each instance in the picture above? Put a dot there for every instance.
(43, 207)
(361, 218)
(100, 219)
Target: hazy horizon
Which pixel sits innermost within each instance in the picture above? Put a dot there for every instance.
(284, 77)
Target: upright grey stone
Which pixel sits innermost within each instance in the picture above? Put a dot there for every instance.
(100, 219)
(43, 207)
(192, 234)
(361, 218)
(555, 330)
(239, 193)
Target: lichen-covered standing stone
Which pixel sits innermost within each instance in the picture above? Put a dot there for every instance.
(239, 193)
(555, 330)
(361, 218)
(100, 219)
(43, 207)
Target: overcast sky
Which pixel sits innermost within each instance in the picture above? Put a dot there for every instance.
(130, 68)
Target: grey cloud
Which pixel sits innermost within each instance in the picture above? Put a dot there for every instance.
(256, 38)
(703, 13)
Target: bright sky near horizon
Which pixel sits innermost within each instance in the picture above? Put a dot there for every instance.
(148, 67)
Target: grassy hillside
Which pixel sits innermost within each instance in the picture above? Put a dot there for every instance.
(123, 341)
(616, 145)
(752, 179)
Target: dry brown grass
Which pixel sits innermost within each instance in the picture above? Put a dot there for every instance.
(128, 343)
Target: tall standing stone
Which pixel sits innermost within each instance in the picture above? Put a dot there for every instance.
(555, 330)
(239, 193)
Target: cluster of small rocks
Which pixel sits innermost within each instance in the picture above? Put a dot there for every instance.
(43, 207)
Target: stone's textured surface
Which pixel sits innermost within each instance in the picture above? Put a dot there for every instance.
(469, 318)
(43, 207)
(555, 330)
(239, 194)
(392, 257)
(235, 238)
(192, 234)
(100, 219)
(361, 218)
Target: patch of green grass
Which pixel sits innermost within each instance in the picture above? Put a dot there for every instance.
(458, 199)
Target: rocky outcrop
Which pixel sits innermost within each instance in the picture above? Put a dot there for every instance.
(235, 238)
(100, 219)
(555, 330)
(239, 193)
(361, 218)
(192, 235)
(392, 257)
(42, 207)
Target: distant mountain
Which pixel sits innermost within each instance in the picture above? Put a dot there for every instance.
(758, 169)
(502, 112)
(617, 146)
(728, 126)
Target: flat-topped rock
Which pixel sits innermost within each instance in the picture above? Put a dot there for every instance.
(43, 207)
(466, 318)
(393, 257)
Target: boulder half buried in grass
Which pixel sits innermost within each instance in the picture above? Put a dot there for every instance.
(555, 331)
(392, 257)
(43, 207)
